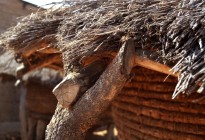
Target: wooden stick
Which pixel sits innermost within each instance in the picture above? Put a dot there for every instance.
(142, 59)
(42, 43)
(40, 129)
(27, 51)
(45, 62)
(55, 67)
(23, 113)
(48, 50)
(31, 128)
(21, 70)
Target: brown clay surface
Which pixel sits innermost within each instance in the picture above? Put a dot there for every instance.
(144, 110)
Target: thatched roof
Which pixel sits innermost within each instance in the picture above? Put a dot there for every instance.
(173, 30)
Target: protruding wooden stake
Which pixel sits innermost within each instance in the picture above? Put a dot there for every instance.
(72, 87)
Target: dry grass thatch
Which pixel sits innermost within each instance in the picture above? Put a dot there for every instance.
(173, 29)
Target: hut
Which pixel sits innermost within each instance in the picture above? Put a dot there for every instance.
(9, 104)
(9, 101)
(37, 102)
(144, 58)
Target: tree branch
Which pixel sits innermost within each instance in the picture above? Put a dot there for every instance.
(73, 124)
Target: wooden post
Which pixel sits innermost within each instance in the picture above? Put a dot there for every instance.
(74, 85)
(32, 128)
(73, 124)
(23, 114)
(40, 130)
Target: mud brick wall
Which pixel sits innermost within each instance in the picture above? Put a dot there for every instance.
(10, 10)
(144, 110)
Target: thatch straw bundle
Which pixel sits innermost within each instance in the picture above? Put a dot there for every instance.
(172, 29)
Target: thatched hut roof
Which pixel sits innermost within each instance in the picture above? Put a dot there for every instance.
(172, 31)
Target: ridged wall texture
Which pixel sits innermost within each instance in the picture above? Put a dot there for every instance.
(145, 110)
(40, 99)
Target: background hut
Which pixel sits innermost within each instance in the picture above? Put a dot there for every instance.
(113, 45)
(9, 104)
(10, 95)
(37, 103)
(9, 114)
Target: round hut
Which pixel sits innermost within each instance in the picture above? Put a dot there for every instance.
(9, 102)
(144, 58)
(37, 102)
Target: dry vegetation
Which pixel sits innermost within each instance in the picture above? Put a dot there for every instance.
(96, 29)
